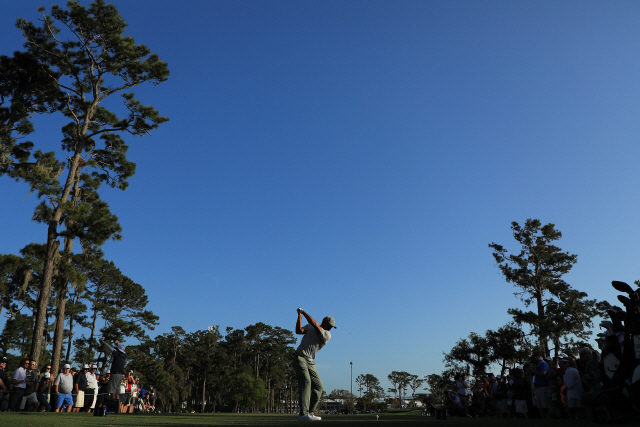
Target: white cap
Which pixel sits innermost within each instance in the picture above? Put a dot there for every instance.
(67, 366)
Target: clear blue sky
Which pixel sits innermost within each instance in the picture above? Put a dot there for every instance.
(356, 159)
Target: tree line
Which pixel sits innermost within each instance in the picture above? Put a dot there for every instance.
(247, 369)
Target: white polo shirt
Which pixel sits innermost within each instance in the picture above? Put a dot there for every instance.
(20, 374)
(92, 381)
(312, 342)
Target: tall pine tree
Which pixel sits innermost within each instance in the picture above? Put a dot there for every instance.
(537, 272)
(81, 60)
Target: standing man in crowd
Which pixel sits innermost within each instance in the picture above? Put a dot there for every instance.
(103, 383)
(79, 387)
(309, 383)
(462, 387)
(574, 389)
(30, 399)
(123, 395)
(135, 393)
(542, 392)
(128, 397)
(19, 384)
(142, 396)
(63, 386)
(117, 368)
(152, 398)
(92, 388)
(4, 384)
(500, 396)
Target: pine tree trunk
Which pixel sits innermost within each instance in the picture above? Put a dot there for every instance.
(53, 245)
(52, 253)
(93, 330)
(58, 332)
(46, 326)
(204, 387)
(542, 339)
(63, 288)
(70, 337)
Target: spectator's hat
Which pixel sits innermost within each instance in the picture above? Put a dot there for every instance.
(67, 366)
(498, 376)
(108, 371)
(47, 375)
(87, 366)
(94, 366)
(3, 359)
(519, 367)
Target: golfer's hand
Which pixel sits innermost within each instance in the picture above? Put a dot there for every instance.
(299, 310)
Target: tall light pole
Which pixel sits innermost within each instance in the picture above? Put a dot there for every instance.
(351, 363)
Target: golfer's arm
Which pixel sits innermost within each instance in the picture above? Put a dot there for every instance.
(313, 322)
(108, 346)
(299, 329)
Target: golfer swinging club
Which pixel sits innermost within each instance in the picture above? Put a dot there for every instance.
(309, 384)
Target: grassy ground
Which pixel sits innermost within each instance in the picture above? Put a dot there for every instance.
(410, 419)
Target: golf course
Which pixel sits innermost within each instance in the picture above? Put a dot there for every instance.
(395, 419)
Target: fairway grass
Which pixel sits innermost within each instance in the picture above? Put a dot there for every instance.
(167, 420)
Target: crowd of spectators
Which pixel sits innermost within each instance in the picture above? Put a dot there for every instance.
(29, 389)
(560, 387)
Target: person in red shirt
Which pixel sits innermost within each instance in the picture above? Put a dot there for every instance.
(129, 401)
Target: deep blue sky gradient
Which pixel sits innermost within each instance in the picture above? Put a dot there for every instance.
(356, 159)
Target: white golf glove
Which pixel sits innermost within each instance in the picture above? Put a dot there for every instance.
(299, 310)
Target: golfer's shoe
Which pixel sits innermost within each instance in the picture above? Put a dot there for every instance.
(308, 417)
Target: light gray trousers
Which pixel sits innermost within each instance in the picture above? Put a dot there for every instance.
(309, 384)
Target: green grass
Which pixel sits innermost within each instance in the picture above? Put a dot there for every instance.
(391, 419)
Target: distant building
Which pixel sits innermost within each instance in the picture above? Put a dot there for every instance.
(333, 405)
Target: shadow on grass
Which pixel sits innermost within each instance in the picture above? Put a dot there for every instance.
(388, 419)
